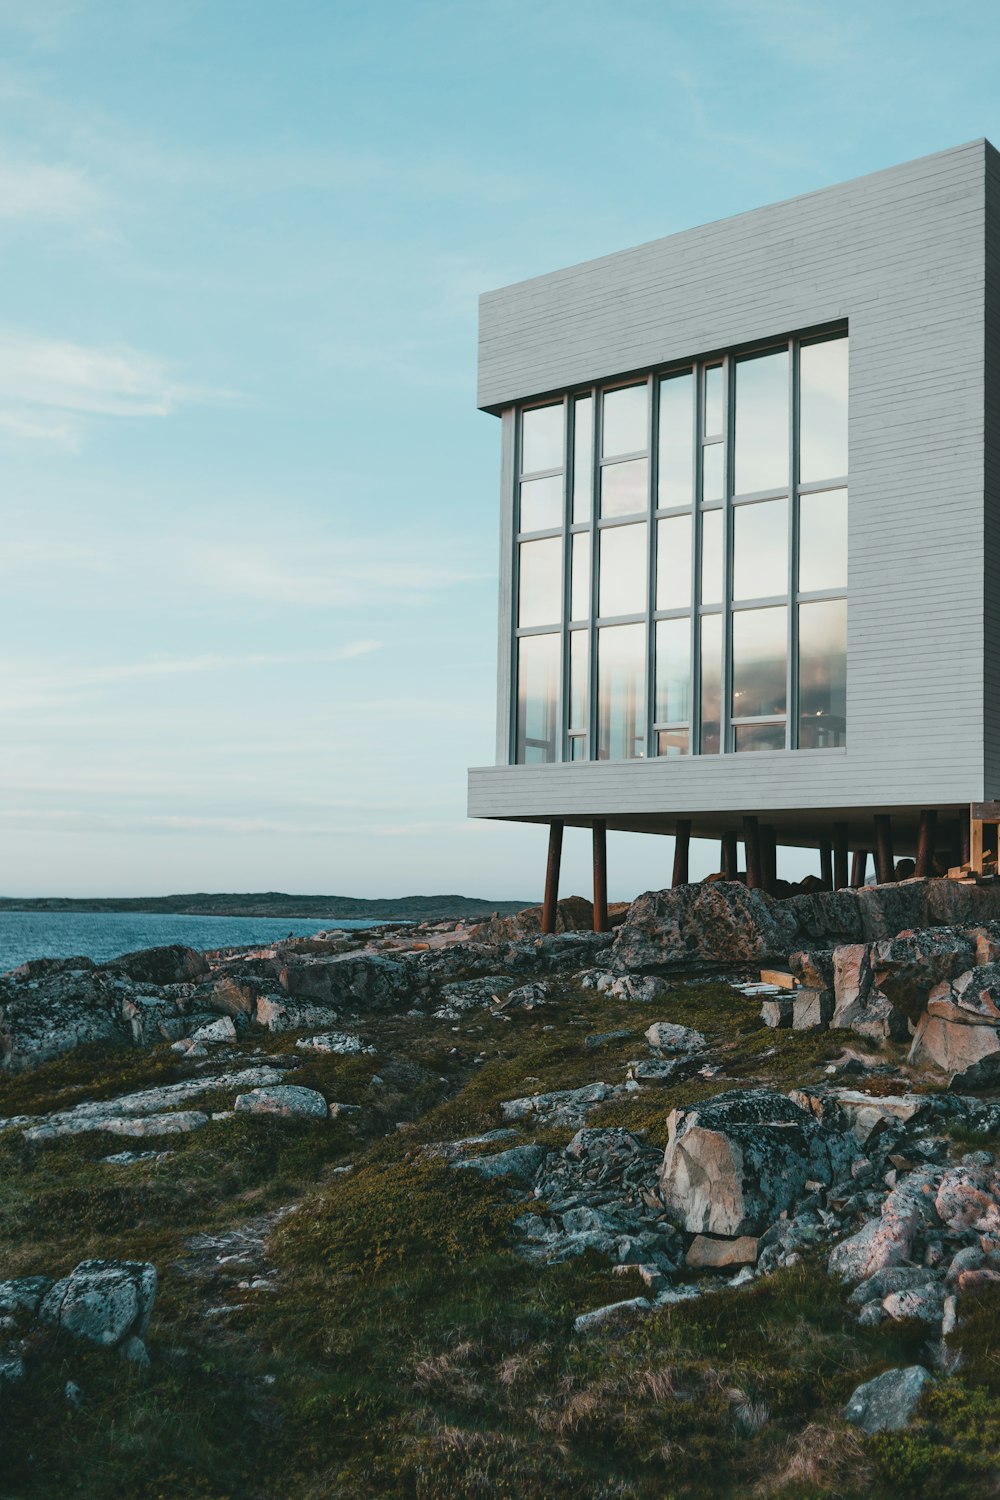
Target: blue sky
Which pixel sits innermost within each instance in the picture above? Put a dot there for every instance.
(248, 508)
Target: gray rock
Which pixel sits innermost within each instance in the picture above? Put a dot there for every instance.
(590, 1320)
(642, 989)
(173, 964)
(721, 922)
(103, 1301)
(887, 1403)
(735, 1162)
(521, 1162)
(368, 982)
(472, 994)
(907, 968)
(341, 1042)
(887, 1240)
(11, 1366)
(289, 1100)
(171, 1122)
(529, 996)
(812, 1010)
(277, 1014)
(23, 1294)
(958, 1045)
(778, 1012)
(665, 1036)
(561, 1107)
(222, 1030)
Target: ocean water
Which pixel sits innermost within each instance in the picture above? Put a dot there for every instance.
(104, 935)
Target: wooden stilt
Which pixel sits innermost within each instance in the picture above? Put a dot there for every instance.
(768, 857)
(976, 845)
(859, 868)
(964, 839)
(826, 862)
(839, 856)
(885, 864)
(600, 875)
(751, 842)
(925, 841)
(682, 846)
(730, 865)
(552, 876)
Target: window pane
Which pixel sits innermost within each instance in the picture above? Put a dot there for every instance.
(711, 557)
(583, 457)
(759, 736)
(578, 747)
(673, 671)
(580, 589)
(625, 419)
(673, 742)
(673, 563)
(762, 423)
(623, 488)
(541, 503)
(622, 589)
(823, 541)
(760, 646)
(823, 410)
(579, 663)
(760, 550)
(823, 674)
(542, 439)
(621, 692)
(539, 601)
(713, 400)
(711, 684)
(676, 440)
(537, 697)
(713, 474)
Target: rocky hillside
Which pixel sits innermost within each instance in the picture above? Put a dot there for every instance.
(476, 1212)
(273, 904)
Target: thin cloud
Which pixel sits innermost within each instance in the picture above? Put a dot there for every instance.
(110, 381)
(31, 190)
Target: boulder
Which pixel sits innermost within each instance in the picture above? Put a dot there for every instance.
(23, 1294)
(719, 923)
(222, 1030)
(734, 1163)
(666, 1036)
(173, 964)
(106, 1302)
(45, 1017)
(778, 1012)
(887, 1403)
(887, 1240)
(364, 982)
(574, 914)
(277, 1014)
(860, 1113)
(472, 994)
(951, 1039)
(908, 967)
(707, 1254)
(343, 1042)
(978, 991)
(561, 1107)
(643, 989)
(813, 968)
(812, 1010)
(289, 1100)
(520, 1162)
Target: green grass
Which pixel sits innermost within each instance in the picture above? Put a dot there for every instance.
(409, 1352)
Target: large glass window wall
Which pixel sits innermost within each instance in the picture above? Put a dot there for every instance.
(680, 568)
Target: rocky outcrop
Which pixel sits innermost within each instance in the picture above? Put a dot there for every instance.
(174, 964)
(288, 1100)
(106, 1302)
(573, 914)
(692, 924)
(733, 1164)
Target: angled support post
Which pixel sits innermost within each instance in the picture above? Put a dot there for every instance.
(859, 868)
(551, 900)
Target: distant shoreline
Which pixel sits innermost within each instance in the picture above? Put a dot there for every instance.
(271, 904)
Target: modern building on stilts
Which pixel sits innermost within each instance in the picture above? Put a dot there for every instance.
(750, 532)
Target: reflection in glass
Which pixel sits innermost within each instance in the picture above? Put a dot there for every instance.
(759, 736)
(713, 400)
(579, 664)
(760, 647)
(711, 684)
(579, 606)
(578, 747)
(583, 457)
(541, 503)
(823, 541)
(673, 563)
(823, 410)
(621, 692)
(823, 674)
(711, 557)
(622, 584)
(713, 471)
(673, 742)
(676, 441)
(625, 416)
(537, 698)
(623, 488)
(542, 439)
(760, 550)
(762, 423)
(540, 582)
(673, 671)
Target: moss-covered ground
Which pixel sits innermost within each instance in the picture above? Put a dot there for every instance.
(407, 1351)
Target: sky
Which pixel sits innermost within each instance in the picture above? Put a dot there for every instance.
(248, 507)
